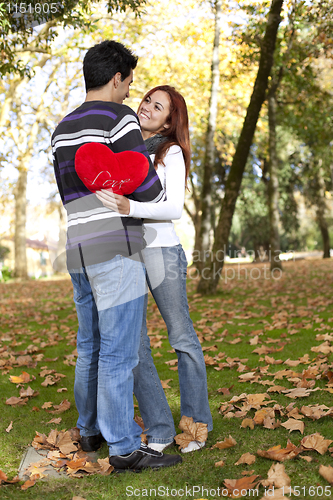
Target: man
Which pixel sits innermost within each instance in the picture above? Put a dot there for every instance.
(103, 260)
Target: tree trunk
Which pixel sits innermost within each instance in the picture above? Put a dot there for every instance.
(210, 278)
(273, 187)
(20, 270)
(321, 212)
(203, 240)
(325, 235)
(60, 265)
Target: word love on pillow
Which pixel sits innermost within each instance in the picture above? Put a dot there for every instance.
(99, 168)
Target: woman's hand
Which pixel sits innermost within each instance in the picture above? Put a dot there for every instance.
(115, 202)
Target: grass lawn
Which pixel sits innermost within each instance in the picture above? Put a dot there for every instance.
(260, 335)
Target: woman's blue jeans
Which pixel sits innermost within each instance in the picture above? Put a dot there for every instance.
(168, 266)
(109, 299)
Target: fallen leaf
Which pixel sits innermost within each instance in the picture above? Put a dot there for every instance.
(65, 444)
(276, 388)
(297, 393)
(316, 442)
(247, 472)
(24, 378)
(64, 405)
(260, 415)
(306, 458)
(4, 479)
(236, 487)
(55, 421)
(227, 443)
(221, 463)
(270, 423)
(281, 454)
(294, 425)
(277, 477)
(165, 384)
(14, 401)
(192, 431)
(10, 426)
(246, 458)
(28, 484)
(326, 473)
(28, 393)
(48, 404)
(247, 422)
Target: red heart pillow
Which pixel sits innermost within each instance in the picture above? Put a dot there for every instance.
(99, 168)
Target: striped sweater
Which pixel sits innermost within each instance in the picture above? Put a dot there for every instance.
(96, 234)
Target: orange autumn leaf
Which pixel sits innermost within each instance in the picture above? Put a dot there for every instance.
(306, 458)
(54, 420)
(271, 423)
(46, 405)
(77, 463)
(277, 477)
(280, 454)
(105, 467)
(165, 383)
(21, 379)
(316, 442)
(227, 443)
(192, 431)
(247, 422)
(65, 444)
(28, 484)
(4, 479)
(299, 392)
(246, 458)
(294, 425)
(14, 401)
(221, 463)
(257, 399)
(28, 393)
(3, 476)
(326, 473)
(260, 415)
(236, 487)
(64, 405)
(316, 411)
(10, 426)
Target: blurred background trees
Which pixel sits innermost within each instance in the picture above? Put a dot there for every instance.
(282, 200)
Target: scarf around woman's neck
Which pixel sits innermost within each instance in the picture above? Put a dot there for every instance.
(152, 143)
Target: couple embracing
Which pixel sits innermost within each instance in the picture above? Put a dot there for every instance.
(116, 245)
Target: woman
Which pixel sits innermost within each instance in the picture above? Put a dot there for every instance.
(164, 124)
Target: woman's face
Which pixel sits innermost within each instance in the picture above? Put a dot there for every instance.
(153, 113)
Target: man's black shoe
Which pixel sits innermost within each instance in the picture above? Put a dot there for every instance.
(143, 458)
(91, 443)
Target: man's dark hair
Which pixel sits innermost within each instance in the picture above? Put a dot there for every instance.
(104, 60)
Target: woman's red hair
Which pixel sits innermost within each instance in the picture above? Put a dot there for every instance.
(178, 131)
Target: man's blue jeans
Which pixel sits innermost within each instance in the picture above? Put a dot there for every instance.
(109, 299)
(171, 299)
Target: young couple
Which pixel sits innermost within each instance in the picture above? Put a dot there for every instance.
(104, 249)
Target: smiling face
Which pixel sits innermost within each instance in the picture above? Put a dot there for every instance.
(153, 113)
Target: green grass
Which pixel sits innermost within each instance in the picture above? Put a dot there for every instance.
(38, 319)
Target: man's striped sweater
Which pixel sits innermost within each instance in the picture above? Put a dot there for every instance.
(95, 234)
